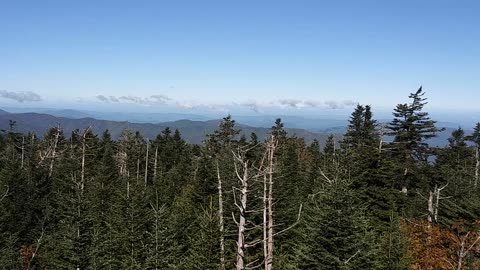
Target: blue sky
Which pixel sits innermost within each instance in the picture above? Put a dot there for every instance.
(259, 56)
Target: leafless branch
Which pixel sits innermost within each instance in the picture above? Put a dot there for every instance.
(5, 194)
(294, 224)
(351, 257)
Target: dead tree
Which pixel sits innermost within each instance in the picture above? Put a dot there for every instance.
(79, 183)
(138, 169)
(54, 150)
(434, 203)
(268, 219)
(248, 175)
(84, 149)
(245, 173)
(5, 194)
(477, 164)
(146, 164)
(124, 156)
(51, 151)
(220, 218)
(268, 208)
(464, 248)
(243, 178)
(23, 150)
(155, 164)
(381, 134)
(39, 240)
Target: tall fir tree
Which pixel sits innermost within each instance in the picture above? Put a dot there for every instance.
(411, 128)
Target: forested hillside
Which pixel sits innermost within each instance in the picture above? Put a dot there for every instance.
(75, 200)
(193, 132)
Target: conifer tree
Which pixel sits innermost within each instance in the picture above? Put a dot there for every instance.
(204, 246)
(355, 129)
(475, 138)
(369, 168)
(453, 166)
(330, 147)
(336, 232)
(411, 127)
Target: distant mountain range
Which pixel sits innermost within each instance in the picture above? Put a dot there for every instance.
(193, 131)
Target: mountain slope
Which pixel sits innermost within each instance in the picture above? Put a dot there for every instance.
(192, 131)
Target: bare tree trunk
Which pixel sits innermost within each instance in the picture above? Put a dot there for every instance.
(382, 126)
(220, 219)
(146, 165)
(430, 207)
(269, 258)
(437, 203)
(434, 203)
(84, 145)
(138, 170)
(54, 151)
(155, 165)
(128, 187)
(477, 165)
(156, 210)
(464, 250)
(265, 220)
(37, 245)
(334, 145)
(460, 255)
(404, 187)
(23, 150)
(243, 175)
(82, 177)
(5, 194)
(240, 264)
(79, 212)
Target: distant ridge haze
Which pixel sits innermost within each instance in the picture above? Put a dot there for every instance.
(193, 131)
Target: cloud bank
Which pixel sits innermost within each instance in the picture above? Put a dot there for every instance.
(252, 104)
(151, 100)
(21, 96)
(294, 103)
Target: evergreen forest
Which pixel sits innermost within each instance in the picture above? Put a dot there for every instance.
(379, 198)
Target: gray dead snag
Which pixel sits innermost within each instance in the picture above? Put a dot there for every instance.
(271, 146)
(244, 173)
(464, 248)
(434, 203)
(220, 218)
(155, 164)
(243, 177)
(50, 152)
(477, 164)
(146, 164)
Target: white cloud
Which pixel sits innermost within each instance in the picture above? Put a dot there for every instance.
(113, 99)
(159, 99)
(21, 96)
(188, 104)
(313, 103)
(349, 103)
(290, 102)
(102, 98)
(252, 104)
(330, 104)
(151, 100)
